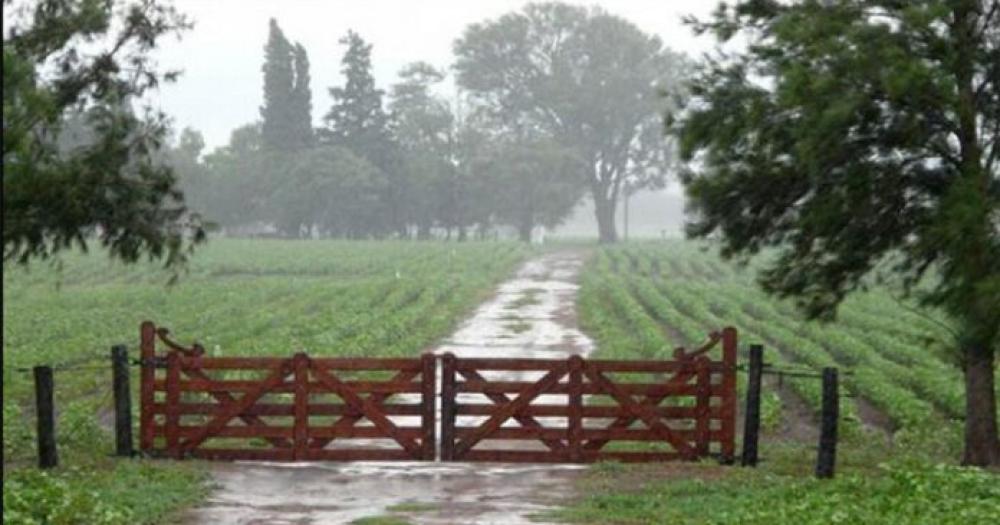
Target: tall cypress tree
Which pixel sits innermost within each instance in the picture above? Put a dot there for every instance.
(358, 122)
(287, 109)
(301, 99)
(277, 114)
(357, 119)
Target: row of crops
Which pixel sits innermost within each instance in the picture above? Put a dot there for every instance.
(238, 297)
(641, 300)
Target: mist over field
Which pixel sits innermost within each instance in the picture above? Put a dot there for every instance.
(501, 262)
(414, 137)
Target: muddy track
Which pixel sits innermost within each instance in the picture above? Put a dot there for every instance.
(533, 314)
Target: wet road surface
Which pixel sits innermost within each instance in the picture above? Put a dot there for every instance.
(531, 315)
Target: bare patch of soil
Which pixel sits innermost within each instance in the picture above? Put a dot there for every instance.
(798, 422)
(874, 419)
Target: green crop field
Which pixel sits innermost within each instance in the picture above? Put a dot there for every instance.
(238, 298)
(901, 415)
(637, 300)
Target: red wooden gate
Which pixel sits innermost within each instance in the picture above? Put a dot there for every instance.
(701, 424)
(297, 408)
(304, 408)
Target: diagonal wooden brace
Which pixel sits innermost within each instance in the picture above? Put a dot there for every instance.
(232, 410)
(347, 422)
(525, 420)
(524, 397)
(368, 408)
(651, 401)
(225, 398)
(639, 411)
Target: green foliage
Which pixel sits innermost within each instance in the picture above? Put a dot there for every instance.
(357, 119)
(286, 120)
(108, 187)
(125, 492)
(586, 78)
(641, 300)
(248, 298)
(331, 190)
(908, 494)
(533, 182)
(860, 138)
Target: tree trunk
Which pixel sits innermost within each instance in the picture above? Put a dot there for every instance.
(524, 231)
(976, 221)
(423, 232)
(982, 444)
(604, 210)
(462, 234)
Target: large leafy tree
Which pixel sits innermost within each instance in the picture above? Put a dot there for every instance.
(239, 178)
(589, 79)
(532, 183)
(88, 60)
(422, 127)
(332, 192)
(855, 136)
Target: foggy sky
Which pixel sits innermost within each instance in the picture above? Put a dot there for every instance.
(221, 58)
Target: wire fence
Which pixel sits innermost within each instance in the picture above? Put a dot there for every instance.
(87, 361)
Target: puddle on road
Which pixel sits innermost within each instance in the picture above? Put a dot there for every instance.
(532, 315)
(321, 493)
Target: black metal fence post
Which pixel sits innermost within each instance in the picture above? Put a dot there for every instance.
(123, 401)
(827, 455)
(751, 423)
(45, 416)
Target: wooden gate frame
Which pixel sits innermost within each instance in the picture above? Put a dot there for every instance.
(372, 400)
(577, 442)
(302, 441)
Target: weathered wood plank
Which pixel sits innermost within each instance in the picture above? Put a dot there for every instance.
(280, 409)
(648, 389)
(362, 387)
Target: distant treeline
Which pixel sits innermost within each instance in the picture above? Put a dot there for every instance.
(555, 102)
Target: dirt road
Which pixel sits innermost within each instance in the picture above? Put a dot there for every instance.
(531, 315)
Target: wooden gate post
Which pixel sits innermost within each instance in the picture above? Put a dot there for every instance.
(173, 422)
(147, 375)
(703, 405)
(448, 407)
(123, 401)
(574, 411)
(826, 458)
(727, 428)
(300, 432)
(48, 457)
(428, 405)
(751, 423)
